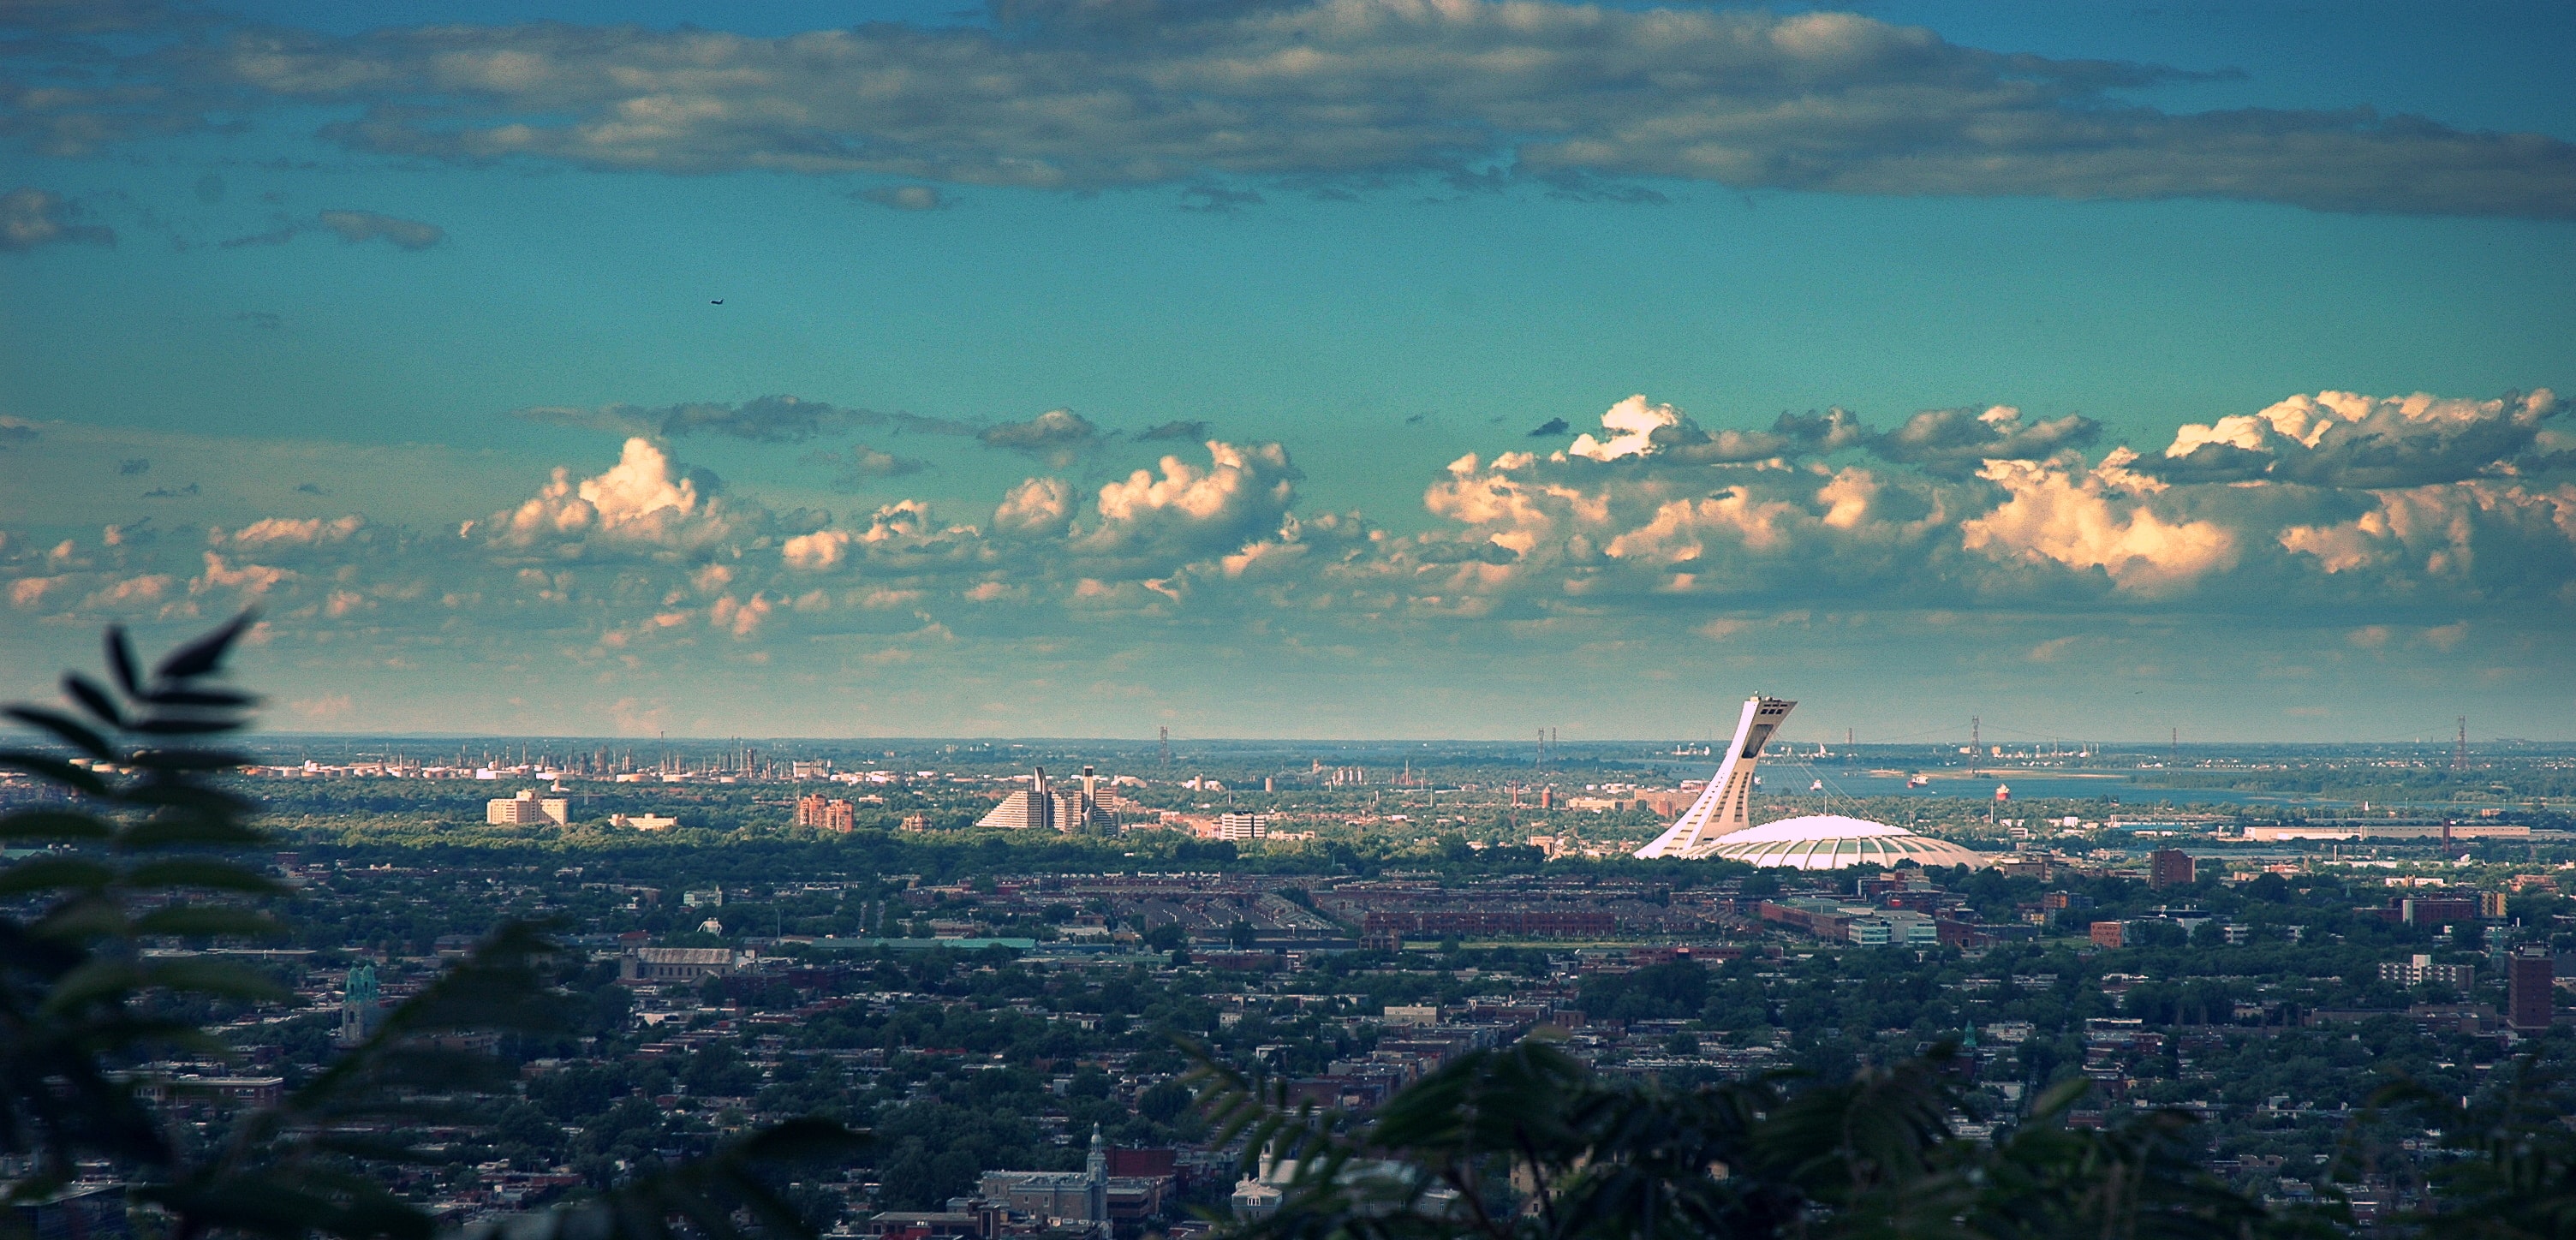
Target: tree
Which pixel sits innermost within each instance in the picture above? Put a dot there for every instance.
(1524, 1143)
(2514, 1174)
(142, 844)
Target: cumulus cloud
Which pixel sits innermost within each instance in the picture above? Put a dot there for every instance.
(1629, 428)
(1332, 93)
(643, 503)
(1037, 507)
(2493, 538)
(31, 217)
(2055, 515)
(1241, 495)
(2344, 439)
(1646, 542)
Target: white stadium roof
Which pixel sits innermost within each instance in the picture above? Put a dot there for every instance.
(1833, 842)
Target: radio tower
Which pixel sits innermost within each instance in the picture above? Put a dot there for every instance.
(1976, 744)
(1167, 745)
(2460, 747)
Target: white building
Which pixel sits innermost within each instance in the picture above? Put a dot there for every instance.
(1234, 826)
(1041, 807)
(525, 810)
(2417, 970)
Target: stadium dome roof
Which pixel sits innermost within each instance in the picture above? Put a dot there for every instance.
(1833, 842)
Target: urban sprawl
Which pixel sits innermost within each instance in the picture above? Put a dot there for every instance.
(1003, 960)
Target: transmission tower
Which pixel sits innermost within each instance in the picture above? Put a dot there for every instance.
(1976, 743)
(2460, 747)
(1167, 745)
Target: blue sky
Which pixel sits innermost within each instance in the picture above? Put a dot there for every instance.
(2167, 372)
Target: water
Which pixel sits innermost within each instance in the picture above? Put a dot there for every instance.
(2025, 787)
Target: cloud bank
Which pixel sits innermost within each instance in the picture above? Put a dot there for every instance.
(2369, 514)
(1083, 95)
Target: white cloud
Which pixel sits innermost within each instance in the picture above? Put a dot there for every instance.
(1191, 512)
(641, 503)
(644, 560)
(1037, 507)
(821, 549)
(1631, 424)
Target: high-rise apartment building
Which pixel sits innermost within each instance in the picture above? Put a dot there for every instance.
(2170, 867)
(1234, 826)
(827, 815)
(2530, 978)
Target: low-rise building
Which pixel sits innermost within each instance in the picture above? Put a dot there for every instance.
(676, 964)
(527, 810)
(2418, 969)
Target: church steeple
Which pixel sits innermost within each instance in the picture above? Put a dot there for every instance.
(1096, 1170)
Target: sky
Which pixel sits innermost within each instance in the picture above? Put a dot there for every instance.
(1264, 368)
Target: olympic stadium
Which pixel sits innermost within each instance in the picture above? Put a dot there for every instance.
(1719, 825)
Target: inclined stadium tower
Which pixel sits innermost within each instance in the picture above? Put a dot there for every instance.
(1719, 825)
